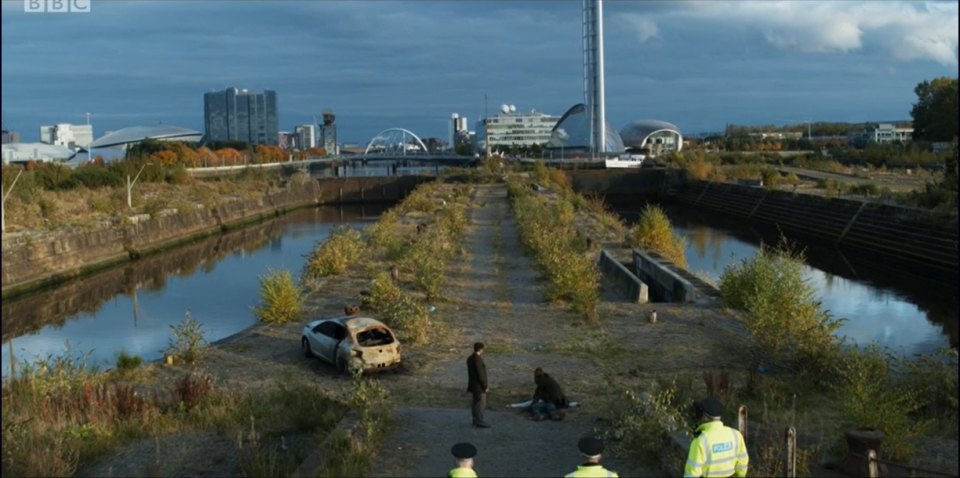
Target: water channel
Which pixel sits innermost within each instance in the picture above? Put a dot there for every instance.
(906, 312)
(131, 307)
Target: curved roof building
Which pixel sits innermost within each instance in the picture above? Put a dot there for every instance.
(135, 134)
(655, 136)
(575, 123)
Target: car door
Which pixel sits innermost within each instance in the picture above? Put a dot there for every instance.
(326, 336)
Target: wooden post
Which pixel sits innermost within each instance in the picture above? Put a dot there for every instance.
(742, 421)
(341, 196)
(653, 316)
(791, 445)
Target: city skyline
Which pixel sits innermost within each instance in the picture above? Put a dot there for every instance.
(411, 64)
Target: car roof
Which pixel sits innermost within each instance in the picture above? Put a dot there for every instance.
(359, 323)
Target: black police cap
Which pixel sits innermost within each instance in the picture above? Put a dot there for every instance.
(464, 450)
(710, 406)
(590, 446)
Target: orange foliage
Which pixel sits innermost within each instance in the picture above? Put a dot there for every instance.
(165, 157)
(270, 154)
(185, 154)
(206, 157)
(312, 153)
(229, 156)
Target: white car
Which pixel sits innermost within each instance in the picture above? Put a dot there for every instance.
(352, 343)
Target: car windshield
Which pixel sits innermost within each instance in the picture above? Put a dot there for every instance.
(373, 337)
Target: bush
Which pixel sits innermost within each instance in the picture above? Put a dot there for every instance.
(654, 232)
(783, 315)
(187, 343)
(343, 247)
(126, 361)
(871, 397)
(281, 299)
(398, 310)
(771, 178)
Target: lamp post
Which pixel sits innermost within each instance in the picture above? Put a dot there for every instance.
(130, 186)
(3, 203)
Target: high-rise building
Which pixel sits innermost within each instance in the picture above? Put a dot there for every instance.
(308, 136)
(328, 133)
(459, 130)
(72, 136)
(10, 137)
(239, 115)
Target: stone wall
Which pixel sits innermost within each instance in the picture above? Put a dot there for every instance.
(33, 260)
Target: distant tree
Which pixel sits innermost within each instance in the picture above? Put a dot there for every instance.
(206, 157)
(935, 113)
(166, 158)
(269, 154)
(312, 153)
(229, 156)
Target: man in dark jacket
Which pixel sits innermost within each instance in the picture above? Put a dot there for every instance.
(547, 398)
(477, 384)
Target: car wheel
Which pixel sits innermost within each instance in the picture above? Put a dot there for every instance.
(305, 346)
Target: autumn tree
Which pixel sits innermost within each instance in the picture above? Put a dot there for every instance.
(269, 154)
(206, 157)
(935, 113)
(165, 157)
(229, 156)
(312, 153)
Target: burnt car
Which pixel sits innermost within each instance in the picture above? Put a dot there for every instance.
(352, 343)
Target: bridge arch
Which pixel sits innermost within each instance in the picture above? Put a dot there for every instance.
(394, 140)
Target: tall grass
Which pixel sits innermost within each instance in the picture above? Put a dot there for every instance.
(404, 313)
(281, 300)
(654, 232)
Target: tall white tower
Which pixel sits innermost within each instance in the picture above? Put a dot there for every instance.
(593, 74)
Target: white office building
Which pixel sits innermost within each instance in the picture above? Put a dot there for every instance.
(308, 136)
(510, 128)
(72, 136)
(886, 133)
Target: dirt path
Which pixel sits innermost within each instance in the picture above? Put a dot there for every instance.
(493, 294)
(497, 299)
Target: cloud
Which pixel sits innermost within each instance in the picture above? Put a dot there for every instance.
(641, 25)
(906, 31)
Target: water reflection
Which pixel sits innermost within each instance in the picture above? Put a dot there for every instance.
(131, 307)
(880, 302)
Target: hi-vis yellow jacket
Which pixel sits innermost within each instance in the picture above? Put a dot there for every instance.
(717, 451)
(462, 473)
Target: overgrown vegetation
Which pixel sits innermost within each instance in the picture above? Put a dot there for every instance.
(187, 344)
(653, 232)
(352, 451)
(783, 315)
(281, 300)
(342, 248)
(547, 228)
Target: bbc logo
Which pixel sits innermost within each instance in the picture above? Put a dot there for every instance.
(56, 6)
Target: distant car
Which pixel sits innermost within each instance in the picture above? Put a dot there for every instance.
(352, 343)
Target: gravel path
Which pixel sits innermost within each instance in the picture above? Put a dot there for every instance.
(499, 286)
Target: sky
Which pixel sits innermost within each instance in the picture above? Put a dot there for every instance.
(411, 64)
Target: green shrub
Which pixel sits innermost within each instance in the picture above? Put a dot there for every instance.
(783, 314)
(400, 311)
(654, 232)
(343, 247)
(872, 398)
(771, 178)
(55, 176)
(126, 361)
(188, 343)
(281, 301)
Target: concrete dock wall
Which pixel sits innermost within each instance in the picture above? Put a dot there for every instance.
(34, 260)
(636, 290)
(906, 234)
(666, 283)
